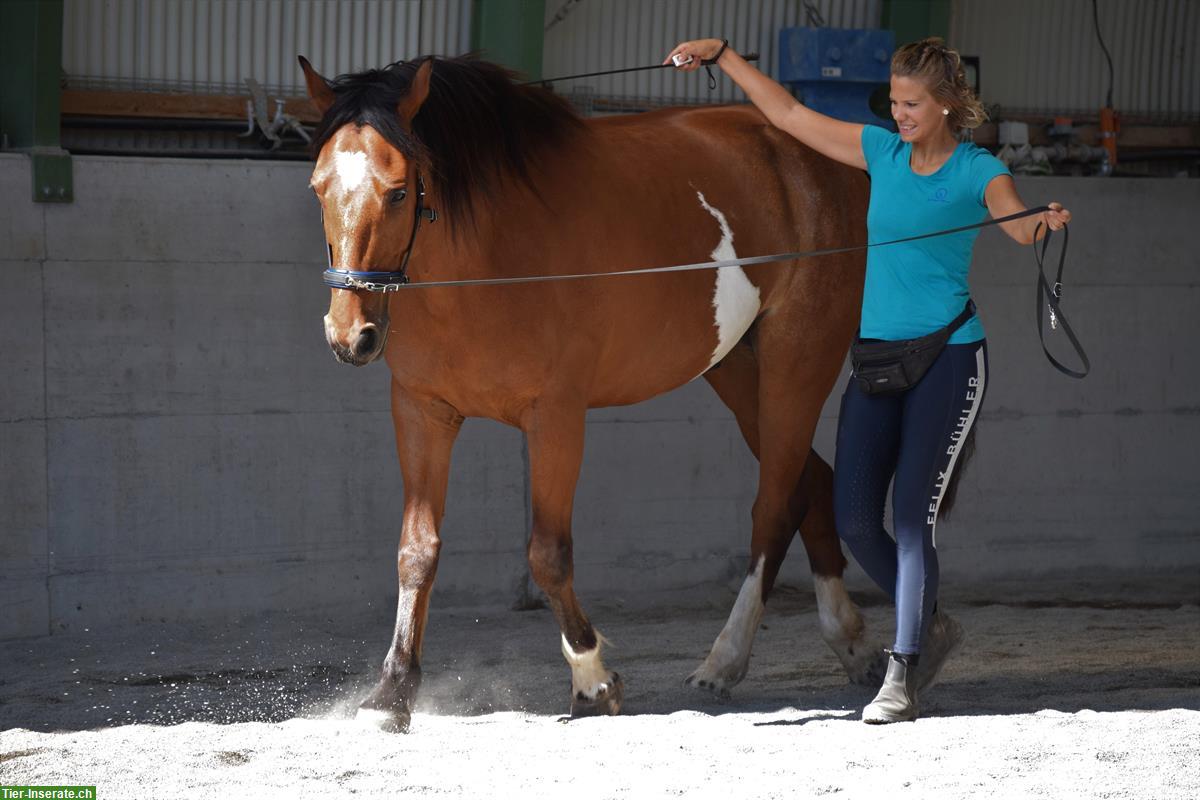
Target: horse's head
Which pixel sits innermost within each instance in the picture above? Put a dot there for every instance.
(368, 192)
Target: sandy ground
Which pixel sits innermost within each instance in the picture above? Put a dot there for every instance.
(1046, 699)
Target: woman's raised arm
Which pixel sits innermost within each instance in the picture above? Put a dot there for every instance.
(841, 141)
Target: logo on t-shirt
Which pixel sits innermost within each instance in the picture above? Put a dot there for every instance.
(942, 195)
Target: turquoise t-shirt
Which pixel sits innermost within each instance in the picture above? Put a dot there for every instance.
(917, 287)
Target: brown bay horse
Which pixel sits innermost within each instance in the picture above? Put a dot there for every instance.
(525, 187)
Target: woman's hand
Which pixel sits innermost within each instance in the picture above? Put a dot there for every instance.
(1056, 217)
(700, 50)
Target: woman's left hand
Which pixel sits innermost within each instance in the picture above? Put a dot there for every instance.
(1056, 217)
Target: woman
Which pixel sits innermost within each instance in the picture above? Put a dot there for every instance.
(922, 179)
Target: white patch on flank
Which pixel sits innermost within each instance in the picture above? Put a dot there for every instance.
(736, 300)
(588, 675)
(842, 628)
(729, 658)
(351, 168)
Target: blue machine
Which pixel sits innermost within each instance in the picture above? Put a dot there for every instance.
(837, 69)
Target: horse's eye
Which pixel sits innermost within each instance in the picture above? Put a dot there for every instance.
(397, 196)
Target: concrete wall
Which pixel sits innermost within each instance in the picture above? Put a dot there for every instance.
(176, 440)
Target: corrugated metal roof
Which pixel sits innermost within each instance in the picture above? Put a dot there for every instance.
(212, 46)
(1038, 56)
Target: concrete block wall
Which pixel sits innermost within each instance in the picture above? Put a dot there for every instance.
(177, 442)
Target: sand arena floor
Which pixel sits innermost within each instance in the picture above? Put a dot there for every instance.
(1048, 698)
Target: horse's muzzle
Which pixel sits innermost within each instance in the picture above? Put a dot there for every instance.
(366, 344)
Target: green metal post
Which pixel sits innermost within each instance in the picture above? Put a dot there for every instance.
(510, 32)
(30, 104)
(913, 20)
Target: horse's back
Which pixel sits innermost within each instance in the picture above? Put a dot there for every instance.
(782, 194)
(726, 183)
(682, 186)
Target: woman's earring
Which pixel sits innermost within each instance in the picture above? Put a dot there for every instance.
(945, 112)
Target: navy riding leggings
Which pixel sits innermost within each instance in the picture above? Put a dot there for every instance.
(914, 436)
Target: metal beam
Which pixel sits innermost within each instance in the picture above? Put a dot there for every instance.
(30, 78)
(510, 32)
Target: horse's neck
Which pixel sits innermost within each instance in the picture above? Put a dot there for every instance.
(514, 223)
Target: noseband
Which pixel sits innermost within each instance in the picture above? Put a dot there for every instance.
(382, 281)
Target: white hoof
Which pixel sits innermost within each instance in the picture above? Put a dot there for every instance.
(718, 680)
(865, 662)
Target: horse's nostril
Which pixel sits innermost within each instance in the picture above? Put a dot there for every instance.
(368, 337)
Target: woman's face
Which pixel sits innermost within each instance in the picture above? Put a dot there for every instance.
(918, 115)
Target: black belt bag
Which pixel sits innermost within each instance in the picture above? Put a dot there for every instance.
(886, 367)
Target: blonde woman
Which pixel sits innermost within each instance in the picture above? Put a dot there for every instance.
(923, 179)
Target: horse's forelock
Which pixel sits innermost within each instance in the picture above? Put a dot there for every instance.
(368, 98)
(476, 127)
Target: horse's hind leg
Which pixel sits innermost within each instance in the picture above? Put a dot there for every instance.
(736, 383)
(841, 624)
(555, 436)
(807, 506)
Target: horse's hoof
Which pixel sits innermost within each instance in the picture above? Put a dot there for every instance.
(875, 669)
(606, 703)
(388, 720)
(715, 686)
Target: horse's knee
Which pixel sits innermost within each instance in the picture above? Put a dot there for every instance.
(417, 562)
(550, 560)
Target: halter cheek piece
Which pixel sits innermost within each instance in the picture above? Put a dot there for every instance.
(378, 281)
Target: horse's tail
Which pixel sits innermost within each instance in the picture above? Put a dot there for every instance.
(964, 457)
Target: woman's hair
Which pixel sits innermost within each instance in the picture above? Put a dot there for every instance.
(941, 70)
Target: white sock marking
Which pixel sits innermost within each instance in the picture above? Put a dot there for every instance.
(730, 655)
(844, 630)
(736, 300)
(588, 675)
(840, 620)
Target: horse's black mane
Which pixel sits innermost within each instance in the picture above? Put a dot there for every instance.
(476, 128)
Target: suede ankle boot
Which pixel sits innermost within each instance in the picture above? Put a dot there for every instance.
(897, 698)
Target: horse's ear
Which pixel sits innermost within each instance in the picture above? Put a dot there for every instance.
(418, 91)
(318, 88)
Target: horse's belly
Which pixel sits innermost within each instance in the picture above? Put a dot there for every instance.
(692, 323)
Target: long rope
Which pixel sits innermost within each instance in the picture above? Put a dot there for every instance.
(732, 262)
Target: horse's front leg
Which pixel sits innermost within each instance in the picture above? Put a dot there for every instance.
(425, 433)
(555, 437)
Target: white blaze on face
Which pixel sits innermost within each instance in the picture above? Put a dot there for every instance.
(736, 301)
(351, 168)
(588, 675)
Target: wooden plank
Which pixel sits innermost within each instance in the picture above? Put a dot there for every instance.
(180, 106)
